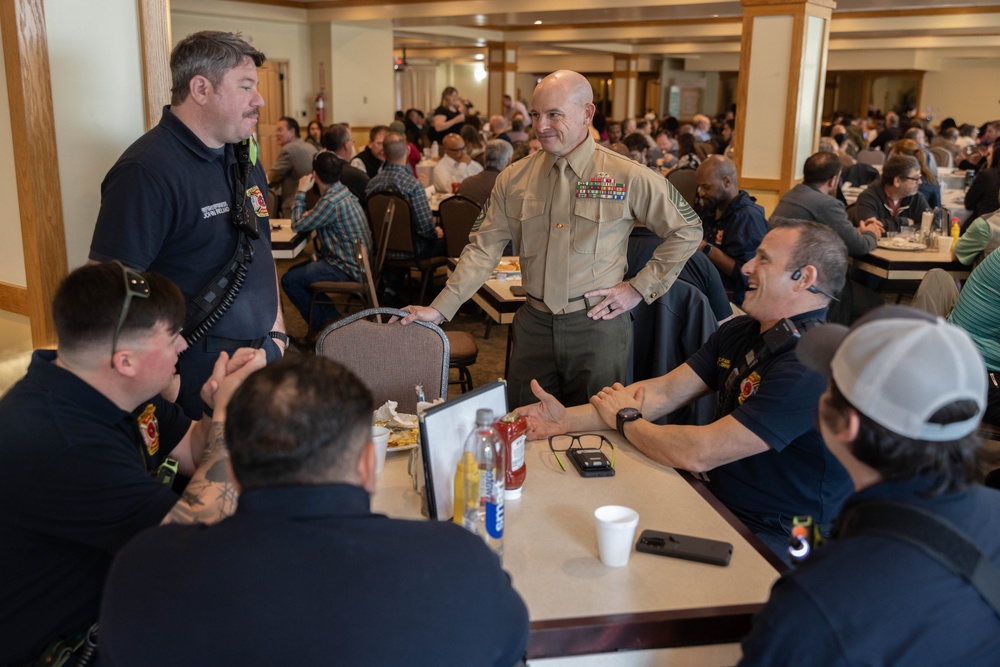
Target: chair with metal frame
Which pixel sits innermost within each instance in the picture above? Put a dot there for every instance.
(390, 359)
(401, 237)
(362, 290)
(869, 156)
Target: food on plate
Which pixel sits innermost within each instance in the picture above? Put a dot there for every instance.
(509, 265)
(403, 437)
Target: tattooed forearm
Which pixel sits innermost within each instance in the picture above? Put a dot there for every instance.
(211, 495)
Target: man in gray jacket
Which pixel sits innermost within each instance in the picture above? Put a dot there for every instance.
(814, 200)
(293, 162)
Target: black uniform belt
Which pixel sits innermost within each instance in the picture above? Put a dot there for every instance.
(575, 305)
(219, 343)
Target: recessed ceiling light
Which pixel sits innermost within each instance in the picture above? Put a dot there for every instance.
(538, 23)
(480, 56)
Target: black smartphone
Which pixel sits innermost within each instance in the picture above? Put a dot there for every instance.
(672, 545)
(517, 290)
(591, 462)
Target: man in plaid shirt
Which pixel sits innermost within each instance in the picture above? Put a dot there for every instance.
(339, 221)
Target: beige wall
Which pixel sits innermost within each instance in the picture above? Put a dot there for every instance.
(97, 104)
(965, 89)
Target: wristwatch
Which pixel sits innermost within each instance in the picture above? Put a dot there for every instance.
(624, 416)
(279, 335)
(707, 249)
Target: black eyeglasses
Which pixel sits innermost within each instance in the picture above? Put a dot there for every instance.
(135, 287)
(914, 178)
(563, 443)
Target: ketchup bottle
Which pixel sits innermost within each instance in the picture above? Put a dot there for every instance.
(512, 429)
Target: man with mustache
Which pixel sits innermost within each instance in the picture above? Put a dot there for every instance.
(569, 210)
(185, 202)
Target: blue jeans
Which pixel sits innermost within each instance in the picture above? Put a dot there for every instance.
(295, 284)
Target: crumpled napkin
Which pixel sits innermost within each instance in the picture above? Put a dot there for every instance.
(387, 413)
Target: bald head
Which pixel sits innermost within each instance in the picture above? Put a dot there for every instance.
(562, 107)
(717, 186)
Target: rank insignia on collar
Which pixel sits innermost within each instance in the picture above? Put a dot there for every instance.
(149, 427)
(601, 186)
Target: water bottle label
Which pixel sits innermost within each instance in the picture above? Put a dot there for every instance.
(517, 453)
(494, 520)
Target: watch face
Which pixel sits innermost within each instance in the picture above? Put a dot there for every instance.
(628, 414)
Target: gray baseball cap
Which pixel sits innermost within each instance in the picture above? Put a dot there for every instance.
(898, 366)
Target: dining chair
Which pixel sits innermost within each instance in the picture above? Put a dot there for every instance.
(458, 215)
(389, 358)
(684, 180)
(943, 156)
(328, 291)
(400, 238)
(869, 156)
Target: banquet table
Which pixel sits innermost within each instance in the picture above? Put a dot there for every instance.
(577, 605)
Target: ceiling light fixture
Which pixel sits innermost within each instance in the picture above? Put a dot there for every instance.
(538, 23)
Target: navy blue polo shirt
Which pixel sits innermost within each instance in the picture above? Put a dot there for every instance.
(330, 583)
(74, 487)
(798, 474)
(875, 600)
(165, 207)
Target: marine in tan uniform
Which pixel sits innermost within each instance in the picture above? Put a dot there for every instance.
(569, 210)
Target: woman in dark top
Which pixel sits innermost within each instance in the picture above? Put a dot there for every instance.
(314, 135)
(448, 117)
(981, 199)
(929, 187)
(416, 128)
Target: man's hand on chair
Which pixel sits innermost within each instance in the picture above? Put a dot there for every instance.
(420, 314)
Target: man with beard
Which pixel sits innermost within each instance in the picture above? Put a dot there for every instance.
(734, 223)
(764, 457)
(188, 200)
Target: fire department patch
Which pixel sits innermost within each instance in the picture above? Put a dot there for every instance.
(749, 386)
(258, 201)
(722, 362)
(150, 429)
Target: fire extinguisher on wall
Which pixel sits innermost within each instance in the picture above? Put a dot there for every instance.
(320, 103)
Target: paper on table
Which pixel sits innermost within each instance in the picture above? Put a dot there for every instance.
(387, 414)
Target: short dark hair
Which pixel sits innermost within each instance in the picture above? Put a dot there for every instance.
(292, 124)
(89, 301)
(328, 167)
(335, 137)
(895, 457)
(301, 420)
(377, 130)
(820, 167)
(817, 246)
(636, 142)
(897, 166)
(395, 148)
(210, 53)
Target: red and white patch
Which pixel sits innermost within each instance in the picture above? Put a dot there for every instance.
(749, 386)
(149, 426)
(258, 201)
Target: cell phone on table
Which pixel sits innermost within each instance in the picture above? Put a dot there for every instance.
(591, 462)
(517, 290)
(685, 547)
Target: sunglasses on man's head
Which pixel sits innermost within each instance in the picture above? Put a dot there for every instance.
(135, 287)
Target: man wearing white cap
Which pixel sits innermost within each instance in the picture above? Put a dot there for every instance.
(910, 576)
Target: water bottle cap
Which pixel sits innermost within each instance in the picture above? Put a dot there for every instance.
(484, 416)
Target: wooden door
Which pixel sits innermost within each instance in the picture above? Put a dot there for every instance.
(272, 89)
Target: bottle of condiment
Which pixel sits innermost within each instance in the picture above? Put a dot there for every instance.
(483, 491)
(956, 230)
(512, 429)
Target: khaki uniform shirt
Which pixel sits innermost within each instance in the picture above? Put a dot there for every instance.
(599, 226)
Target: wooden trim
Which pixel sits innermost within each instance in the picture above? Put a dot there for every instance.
(742, 95)
(760, 184)
(14, 298)
(646, 630)
(665, 23)
(792, 95)
(29, 88)
(928, 11)
(154, 45)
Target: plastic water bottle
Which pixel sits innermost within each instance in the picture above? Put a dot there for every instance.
(484, 482)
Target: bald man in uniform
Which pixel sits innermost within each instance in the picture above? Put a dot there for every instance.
(569, 209)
